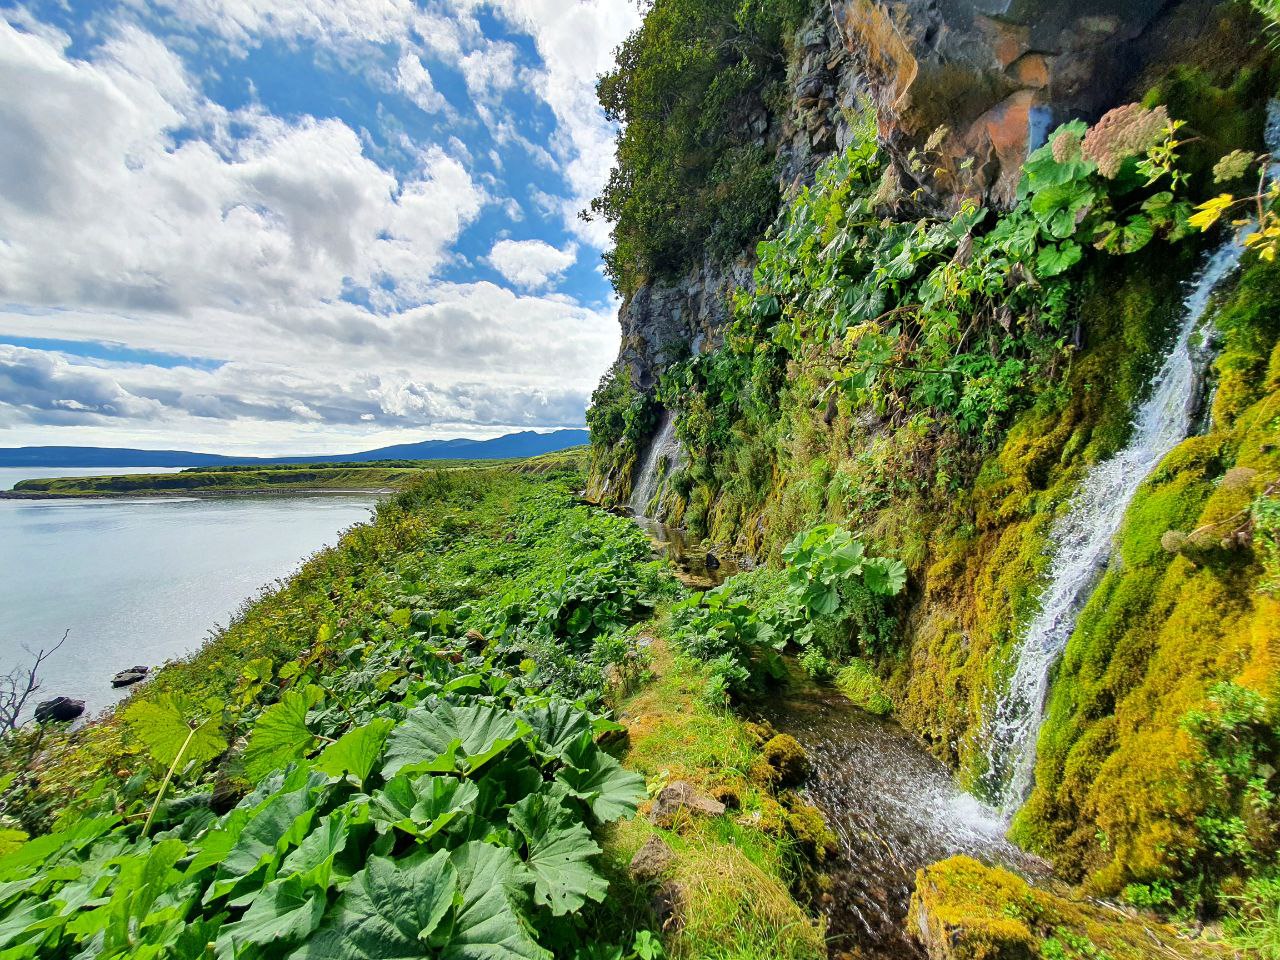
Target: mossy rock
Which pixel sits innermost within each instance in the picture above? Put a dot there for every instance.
(787, 762)
(962, 910)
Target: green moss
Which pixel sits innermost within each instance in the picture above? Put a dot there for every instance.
(786, 759)
(1118, 796)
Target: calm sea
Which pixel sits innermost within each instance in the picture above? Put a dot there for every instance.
(141, 582)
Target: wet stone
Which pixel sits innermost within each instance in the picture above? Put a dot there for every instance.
(58, 710)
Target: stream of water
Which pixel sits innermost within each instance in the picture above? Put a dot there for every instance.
(894, 809)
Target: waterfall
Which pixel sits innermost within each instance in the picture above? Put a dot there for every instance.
(664, 444)
(1082, 538)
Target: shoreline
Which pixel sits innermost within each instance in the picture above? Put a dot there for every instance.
(185, 494)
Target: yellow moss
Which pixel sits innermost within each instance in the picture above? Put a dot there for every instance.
(966, 911)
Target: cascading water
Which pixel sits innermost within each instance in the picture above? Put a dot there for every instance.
(1082, 538)
(893, 809)
(652, 472)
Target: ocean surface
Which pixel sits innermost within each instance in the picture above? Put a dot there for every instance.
(142, 581)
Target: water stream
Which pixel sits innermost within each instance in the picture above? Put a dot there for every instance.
(894, 809)
(662, 457)
(1082, 538)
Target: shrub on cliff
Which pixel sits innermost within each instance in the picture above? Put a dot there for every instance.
(688, 173)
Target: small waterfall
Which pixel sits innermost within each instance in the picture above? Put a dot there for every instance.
(652, 472)
(1082, 538)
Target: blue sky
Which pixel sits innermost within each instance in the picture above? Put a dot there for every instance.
(290, 224)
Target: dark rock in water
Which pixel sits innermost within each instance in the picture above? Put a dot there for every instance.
(126, 678)
(712, 562)
(58, 710)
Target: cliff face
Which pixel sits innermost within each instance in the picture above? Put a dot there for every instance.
(998, 74)
(665, 320)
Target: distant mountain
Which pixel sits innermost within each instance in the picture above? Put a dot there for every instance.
(524, 444)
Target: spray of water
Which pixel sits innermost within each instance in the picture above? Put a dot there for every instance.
(1082, 538)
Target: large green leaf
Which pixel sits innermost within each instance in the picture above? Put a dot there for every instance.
(165, 724)
(315, 854)
(444, 737)
(558, 725)
(560, 850)
(422, 806)
(885, 576)
(388, 911)
(280, 735)
(486, 925)
(595, 777)
(357, 751)
(284, 911)
(282, 822)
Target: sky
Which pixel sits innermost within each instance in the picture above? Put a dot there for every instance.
(301, 225)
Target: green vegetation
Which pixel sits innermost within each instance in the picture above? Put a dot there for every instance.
(1179, 641)
(833, 604)
(283, 478)
(399, 753)
(353, 755)
(216, 482)
(939, 330)
(731, 873)
(691, 177)
(940, 383)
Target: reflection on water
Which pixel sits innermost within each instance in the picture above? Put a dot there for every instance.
(699, 568)
(141, 582)
(894, 809)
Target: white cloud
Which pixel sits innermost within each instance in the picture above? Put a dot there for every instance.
(576, 40)
(240, 249)
(246, 22)
(134, 209)
(490, 70)
(531, 264)
(416, 83)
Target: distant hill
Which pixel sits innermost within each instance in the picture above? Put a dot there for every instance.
(524, 444)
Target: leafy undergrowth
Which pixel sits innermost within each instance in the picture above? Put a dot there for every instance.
(394, 754)
(731, 874)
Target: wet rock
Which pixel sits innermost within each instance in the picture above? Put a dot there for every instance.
(712, 562)
(682, 796)
(126, 678)
(58, 710)
(787, 759)
(652, 860)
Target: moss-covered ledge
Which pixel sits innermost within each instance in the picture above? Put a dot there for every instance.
(962, 910)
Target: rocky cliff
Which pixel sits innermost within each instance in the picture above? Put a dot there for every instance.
(956, 434)
(989, 78)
